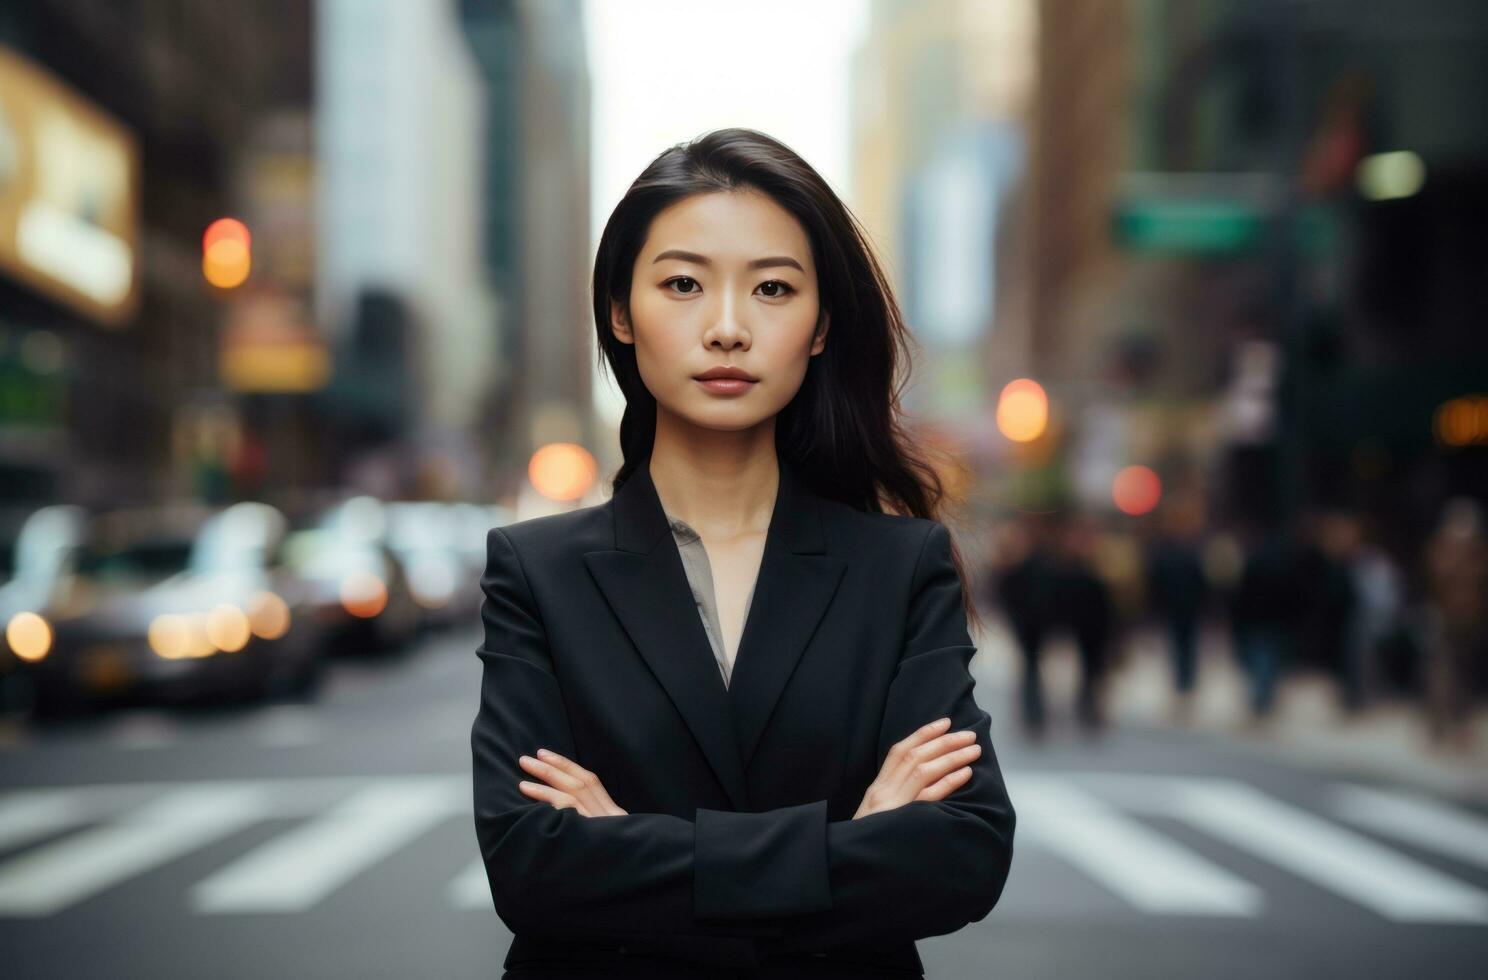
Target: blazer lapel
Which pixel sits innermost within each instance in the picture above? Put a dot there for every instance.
(797, 579)
(644, 582)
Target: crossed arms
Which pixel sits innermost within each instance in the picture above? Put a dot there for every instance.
(906, 867)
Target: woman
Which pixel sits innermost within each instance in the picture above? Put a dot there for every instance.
(786, 775)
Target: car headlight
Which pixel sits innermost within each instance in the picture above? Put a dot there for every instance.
(363, 594)
(176, 636)
(29, 636)
(268, 616)
(227, 628)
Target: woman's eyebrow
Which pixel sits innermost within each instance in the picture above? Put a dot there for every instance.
(765, 263)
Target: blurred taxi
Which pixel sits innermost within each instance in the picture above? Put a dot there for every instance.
(357, 590)
(426, 537)
(180, 604)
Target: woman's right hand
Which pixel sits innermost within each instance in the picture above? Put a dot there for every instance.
(924, 766)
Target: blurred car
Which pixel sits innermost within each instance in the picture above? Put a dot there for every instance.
(177, 604)
(357, 589)
(38, 549)
(472, 523)
(427, 538)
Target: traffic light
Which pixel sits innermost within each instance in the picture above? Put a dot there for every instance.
(226, 253)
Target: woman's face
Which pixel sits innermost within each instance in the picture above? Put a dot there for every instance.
(724, 279)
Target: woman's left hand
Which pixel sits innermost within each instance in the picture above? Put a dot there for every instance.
(567, 785)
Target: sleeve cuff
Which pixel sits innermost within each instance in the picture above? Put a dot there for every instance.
(760, 865)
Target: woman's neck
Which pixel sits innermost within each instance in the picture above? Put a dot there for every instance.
(722, 483)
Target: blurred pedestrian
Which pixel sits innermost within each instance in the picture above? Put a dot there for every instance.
(1325, 586)
(1024, 589)
(1457, 591)
(1177, 590)
(1375, 615)
(1082, 601)
(1265, 610)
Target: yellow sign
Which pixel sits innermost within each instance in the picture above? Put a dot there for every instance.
(69, 194)
(268, 345)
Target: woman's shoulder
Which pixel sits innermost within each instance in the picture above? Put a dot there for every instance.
(588, 528)
(878, 530)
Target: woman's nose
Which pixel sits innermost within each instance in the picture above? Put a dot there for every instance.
(726, 328)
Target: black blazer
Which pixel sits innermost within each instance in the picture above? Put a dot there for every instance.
(738, 848)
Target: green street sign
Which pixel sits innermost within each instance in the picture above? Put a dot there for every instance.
(1212, 226)
(1189, 226)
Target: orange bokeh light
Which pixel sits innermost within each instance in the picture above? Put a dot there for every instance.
(363, 595)
(226, 229)
(1462, 421)
(226, 253)
(1022, 410)
(1136, 490)
(562, 471)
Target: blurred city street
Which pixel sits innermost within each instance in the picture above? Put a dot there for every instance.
(1178, 302)
(232, 843)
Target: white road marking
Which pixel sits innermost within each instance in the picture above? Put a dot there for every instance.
(1151, 872)
(471, 889)
(1084, 818)
(32, 814)
(297, 869)
(65, 872)
(1329, 855)
(1416, 820)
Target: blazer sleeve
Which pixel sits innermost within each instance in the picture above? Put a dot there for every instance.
(925, 868)
(786, 878)
(556, 871)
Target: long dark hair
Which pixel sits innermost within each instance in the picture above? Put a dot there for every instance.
(843, 431)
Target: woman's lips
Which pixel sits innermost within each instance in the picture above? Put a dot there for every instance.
(726, 386)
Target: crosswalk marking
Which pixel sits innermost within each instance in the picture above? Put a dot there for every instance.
(33, 814)
(471, 889)
(1094, 821)
(297, 869)
(67, 871)
(1329, 855)
(1153, 873)
(1416, 820)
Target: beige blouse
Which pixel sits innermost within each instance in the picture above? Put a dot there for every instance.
(700, 577)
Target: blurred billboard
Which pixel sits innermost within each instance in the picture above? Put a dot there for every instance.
(69, 194)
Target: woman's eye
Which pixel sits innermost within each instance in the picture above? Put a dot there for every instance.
(780, 287)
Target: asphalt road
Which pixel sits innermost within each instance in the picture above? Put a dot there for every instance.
(334, 839)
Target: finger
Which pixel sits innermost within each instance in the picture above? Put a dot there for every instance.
(904, 746)
(598, 793)
(934, 749)
(587, 788)
(949, 742)
(945, 785)
(548, 794)
(551, 774)
(567, 765)
(926, 773)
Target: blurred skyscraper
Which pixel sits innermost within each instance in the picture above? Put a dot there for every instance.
(941, 92)
(534, 58)
(402, 287)
(453, 153)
